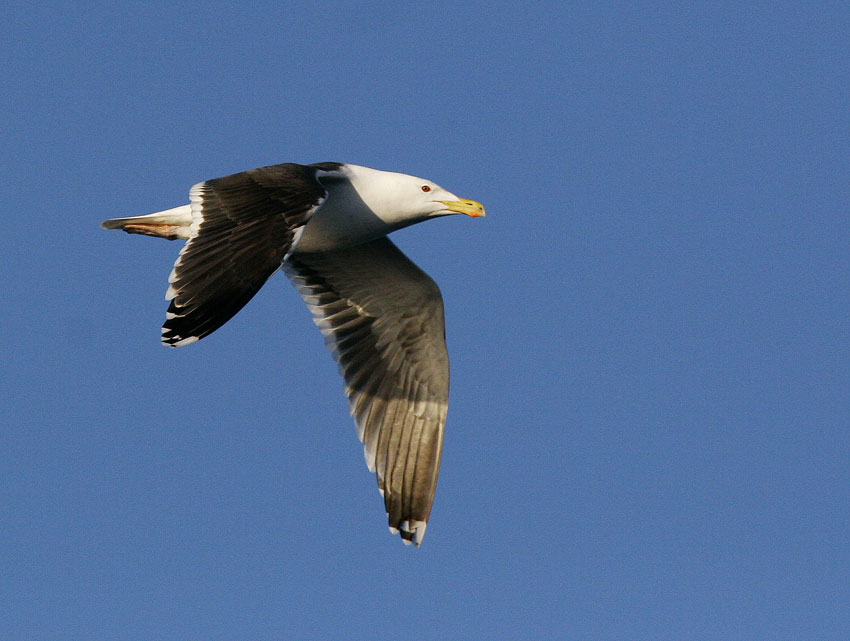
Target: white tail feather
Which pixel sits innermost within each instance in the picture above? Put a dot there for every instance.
(171, 223)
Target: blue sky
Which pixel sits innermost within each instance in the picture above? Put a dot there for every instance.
(648, 429)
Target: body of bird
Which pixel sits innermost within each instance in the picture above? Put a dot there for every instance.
(325, 225)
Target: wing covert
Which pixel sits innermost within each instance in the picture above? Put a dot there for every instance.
(243, 226)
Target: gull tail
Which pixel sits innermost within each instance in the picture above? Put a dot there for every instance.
(170, 224)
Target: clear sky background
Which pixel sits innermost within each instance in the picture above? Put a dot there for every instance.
(648, 429)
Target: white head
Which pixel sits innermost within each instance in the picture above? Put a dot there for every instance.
(402, 199)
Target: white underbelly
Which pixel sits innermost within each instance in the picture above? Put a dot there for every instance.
(333, 228)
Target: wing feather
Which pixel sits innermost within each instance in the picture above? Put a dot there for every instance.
(243, 226)
(382, 318)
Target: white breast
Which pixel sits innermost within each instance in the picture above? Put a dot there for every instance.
(361, 207)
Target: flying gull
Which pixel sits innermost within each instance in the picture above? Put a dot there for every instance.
(325, 225)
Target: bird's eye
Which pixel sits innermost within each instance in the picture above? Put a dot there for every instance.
(426, 188)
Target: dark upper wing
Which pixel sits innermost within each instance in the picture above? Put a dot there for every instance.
(382, 318)
(242, 228)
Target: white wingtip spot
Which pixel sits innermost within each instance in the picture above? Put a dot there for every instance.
(416, 528)
(183, 341)
(419, 531)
